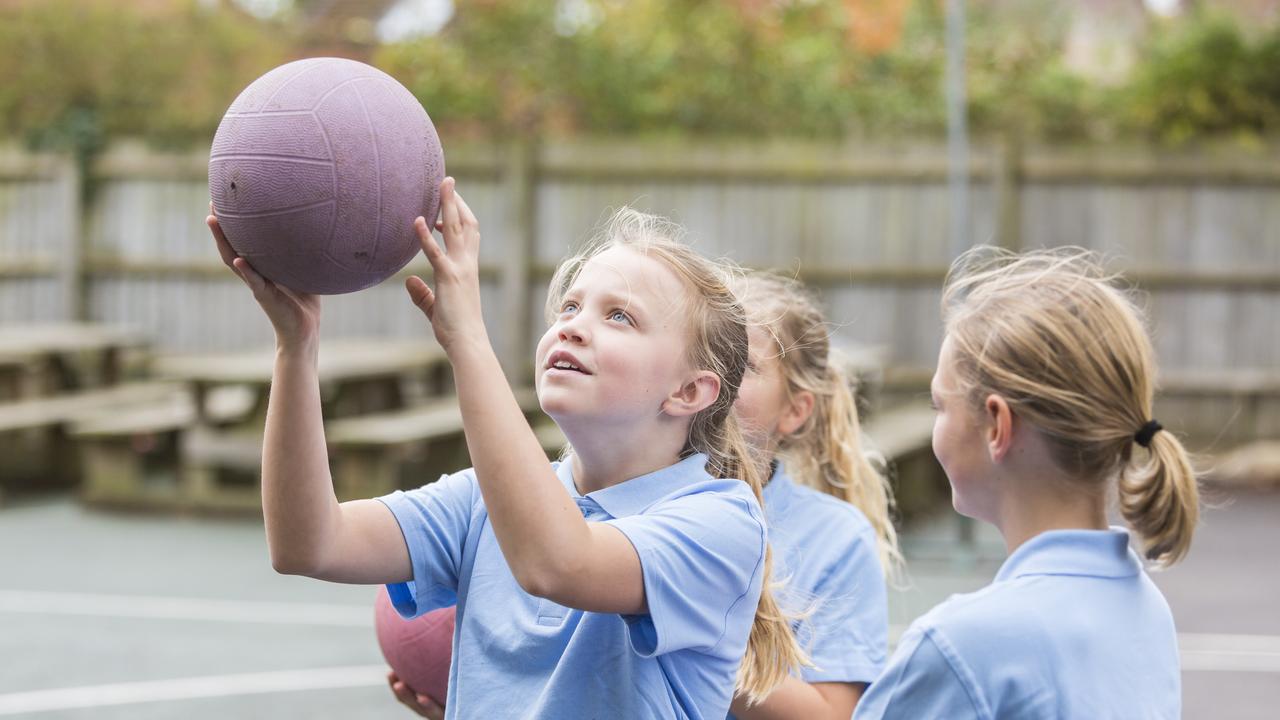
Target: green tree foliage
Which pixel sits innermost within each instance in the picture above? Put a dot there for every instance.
(1204, 76)
(79, 71)
(670, 66)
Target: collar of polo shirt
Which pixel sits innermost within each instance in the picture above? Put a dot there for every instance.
(638, 494)
(1091, 553)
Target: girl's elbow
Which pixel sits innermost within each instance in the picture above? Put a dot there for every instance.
(538, 583)
(286, 563)
(544, 580)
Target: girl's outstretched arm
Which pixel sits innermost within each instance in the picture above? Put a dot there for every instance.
(308, 532)
(552, 551)
(796, 699)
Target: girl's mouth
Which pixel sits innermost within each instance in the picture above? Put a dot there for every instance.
(563, 362)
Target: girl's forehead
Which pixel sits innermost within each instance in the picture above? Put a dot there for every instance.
(630, 273)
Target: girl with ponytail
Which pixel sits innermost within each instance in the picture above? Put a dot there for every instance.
(827, 505)
(629, 580)
(1044, 393)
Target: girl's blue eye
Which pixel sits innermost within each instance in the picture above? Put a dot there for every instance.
(619, 316)
(569, 307)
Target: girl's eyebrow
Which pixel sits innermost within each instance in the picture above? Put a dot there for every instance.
(609, 297)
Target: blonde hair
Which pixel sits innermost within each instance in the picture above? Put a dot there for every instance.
(1050, 333)
(825, 453)
(717, 341)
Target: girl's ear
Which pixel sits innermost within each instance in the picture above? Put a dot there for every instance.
(999, 426)
(797, 412)
(694, 396)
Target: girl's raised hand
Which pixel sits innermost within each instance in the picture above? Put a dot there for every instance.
(294, 315)
(453, 307)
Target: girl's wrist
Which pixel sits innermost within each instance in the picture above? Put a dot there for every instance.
(305, 350)
(468, 345)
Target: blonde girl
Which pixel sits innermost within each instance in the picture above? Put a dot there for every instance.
(1044, 393)
(625, 581)
(827, 505)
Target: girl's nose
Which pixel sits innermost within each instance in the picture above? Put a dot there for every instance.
(574, 330)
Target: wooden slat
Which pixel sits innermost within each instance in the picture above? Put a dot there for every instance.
(72, 407)
(900, 431)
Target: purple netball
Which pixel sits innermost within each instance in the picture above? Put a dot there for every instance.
(317, 171)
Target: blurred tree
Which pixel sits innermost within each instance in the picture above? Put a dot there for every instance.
(745, 67)
(79, 71)
(1202, 75)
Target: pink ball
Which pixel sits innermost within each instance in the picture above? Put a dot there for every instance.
(418, 650)
(317, 171)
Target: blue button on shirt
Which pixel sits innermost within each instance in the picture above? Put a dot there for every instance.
(1071, 628)
(701, 545)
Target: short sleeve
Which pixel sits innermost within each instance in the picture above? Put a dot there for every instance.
(435, 520)
(925, 679)
(703, 561)
(847, 633)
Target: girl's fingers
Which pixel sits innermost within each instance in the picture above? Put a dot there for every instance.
(220, 238)
(420, 294)
(430, 708)
(449, 206)
(467, 217)
(251, 276)
(428, 241)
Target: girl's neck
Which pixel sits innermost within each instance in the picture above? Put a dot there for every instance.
(1025, 515)
(603, 458)
(593, 472)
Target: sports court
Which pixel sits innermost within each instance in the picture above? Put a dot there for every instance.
(138, 617)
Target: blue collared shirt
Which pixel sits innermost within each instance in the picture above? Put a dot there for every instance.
(825, 557)
(1071, 628)
(825, 553)
(701, 545)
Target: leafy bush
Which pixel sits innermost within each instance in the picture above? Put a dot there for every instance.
(1202, 77)
(79, 71)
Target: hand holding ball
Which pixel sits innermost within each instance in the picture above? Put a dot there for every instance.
(317, 172)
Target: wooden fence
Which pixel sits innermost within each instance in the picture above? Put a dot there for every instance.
(868, 226)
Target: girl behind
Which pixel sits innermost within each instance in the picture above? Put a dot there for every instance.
(1044, 391)
(827, 505)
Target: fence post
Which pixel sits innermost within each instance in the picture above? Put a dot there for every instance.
(71, 262)
(1008, 191)
(518, 188)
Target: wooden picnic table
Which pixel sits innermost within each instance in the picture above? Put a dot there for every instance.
(357, 375)
(38, 360)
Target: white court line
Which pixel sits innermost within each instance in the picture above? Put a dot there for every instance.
(1199, 651)
(212, 686)
(1229, 653)
(175, 608)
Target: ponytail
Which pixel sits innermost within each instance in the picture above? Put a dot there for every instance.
(1159, 498)
(826, 453)
(772, 651)
(1050, 332)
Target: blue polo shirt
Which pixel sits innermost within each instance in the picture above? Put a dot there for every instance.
(701, 544)
(825, 552)
(1071, 628)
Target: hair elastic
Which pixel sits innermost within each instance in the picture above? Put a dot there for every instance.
(1148, 431)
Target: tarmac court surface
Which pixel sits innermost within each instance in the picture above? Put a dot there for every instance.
(112, 616)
